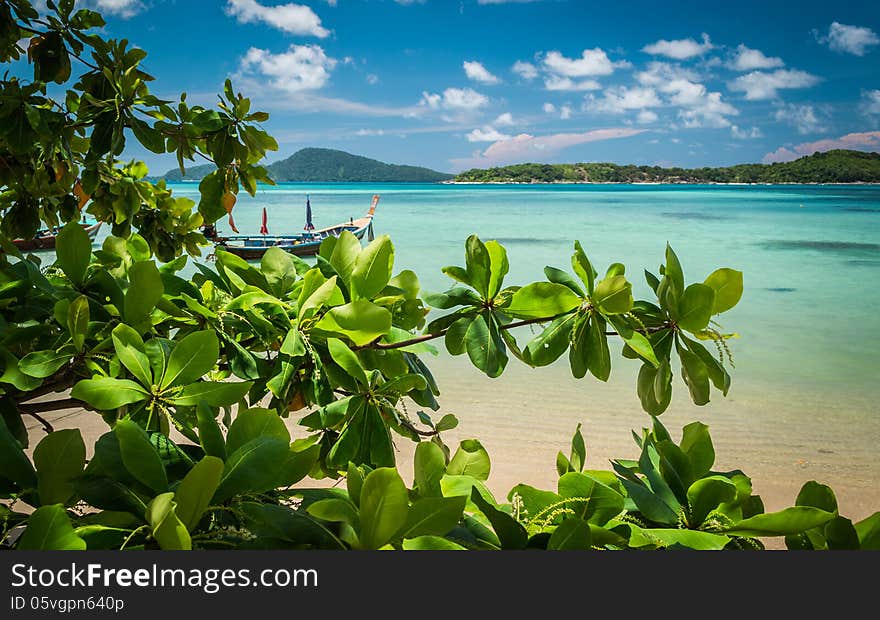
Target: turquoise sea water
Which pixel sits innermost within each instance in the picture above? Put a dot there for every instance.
(807, 356)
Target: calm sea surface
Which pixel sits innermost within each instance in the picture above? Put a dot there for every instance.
(806, 376)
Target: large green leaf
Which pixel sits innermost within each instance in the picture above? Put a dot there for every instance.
(789, 521)
(868, 531)
(359, 321)
(197, 488)
(214, 393)
(707, 494)
(280, 270)
(193, 356)
(145, 288)
(690, 539)
(478, 265)
(429, 466)
(582, 267)
(14, 464)
(294, 528)
(728, 287)
(253, 423)
(105, 393)
(433, 516)
(613, 295)
(372, 268)
(42, 364)
(59, 458)
(347, 360)
(695, 307)
(542, 300)
(384, 507)
(253, 468)
(695, 375)
(551, 343)
(697, 444)
(498, 267)
(431, 543)
(210, 435)
(485, 347)
(78, 321)
(167, 528)
(510, 532)
(344, 256)
(130, 349)
(570, 535)
(597, 502)
(139, 456)
(471, 459)
(73, 249)
(49, 529)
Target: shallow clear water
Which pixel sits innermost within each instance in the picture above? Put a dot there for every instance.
(804, 399)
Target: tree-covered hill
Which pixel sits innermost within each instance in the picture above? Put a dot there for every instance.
(837, 166)
(313, 165)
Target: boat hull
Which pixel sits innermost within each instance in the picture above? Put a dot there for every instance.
(258, 246)
(45, 240)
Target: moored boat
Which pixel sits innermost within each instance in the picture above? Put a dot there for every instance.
(45, 239)
(307, 243)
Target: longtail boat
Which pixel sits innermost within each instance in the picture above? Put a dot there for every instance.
(45, 239)
(307, 243)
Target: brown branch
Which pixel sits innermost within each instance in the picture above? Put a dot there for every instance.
(50, 405)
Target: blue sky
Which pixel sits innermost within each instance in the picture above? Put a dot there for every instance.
(473, 83)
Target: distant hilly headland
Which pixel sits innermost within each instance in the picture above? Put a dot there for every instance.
(312, 165)
(837, 166)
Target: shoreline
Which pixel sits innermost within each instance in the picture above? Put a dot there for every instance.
(866, 183)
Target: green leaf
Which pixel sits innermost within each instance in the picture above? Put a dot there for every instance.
(551, 343)
(280, 270)
(78, 321)
(817, 495)
(868, 531)
(485, 347)
(144, 291)
(14, 464)
(558, 276)
(344, 256)
(105, 393)
(613, 295)
(359, 321)
(570, 535)
(335, 510)
(252, 424)
(131, 352)
(431, 543)
(167, 528)
(73, 249)
(372, 268)
(600, 502)
(280, 523)
(707, 494)
(599, 355)
(348, 360)
(384, 507)
(728, 287)
(214, 393)
(196, 489)
(42, 364)
(210, 435)
(478, 265)
(59, 458)
(582, 267)
(695, 375)
(697, 444)
(253, 468)
(429, 466)
(542, 300)
(193, 356)
(673, 273)
(510, 532)
(13, 376)
(498, 267)
(470, 459)
(49, 529)
(139, 456)
(786, 522)
(695, 307)
(690, 539)
(433, 516)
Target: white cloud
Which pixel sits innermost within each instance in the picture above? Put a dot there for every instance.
(505, 1)
(741, 133)
(291, 18)
(621, 99)
(565, 112)
(372, 79)
(870, 102)
(646, 116)
(407, 2)
(803, 117)
(525, 70)
(662, 73)
(300, 68)
(747, 59)
(763, 85)
(370, 132)
(849, 39)
(487, 134)
(477, 72)
(549, 108)
(505, 120)
(865, 141)
(679, 49)
(556, 82)
(121, 8)
(592, 62)
(524, 146)
(455, 99)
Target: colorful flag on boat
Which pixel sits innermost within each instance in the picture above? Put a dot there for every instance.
(263, 229)
(309, 225)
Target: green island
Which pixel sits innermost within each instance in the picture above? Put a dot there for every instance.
(835, 166)
(314, 165)
(255, 406)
